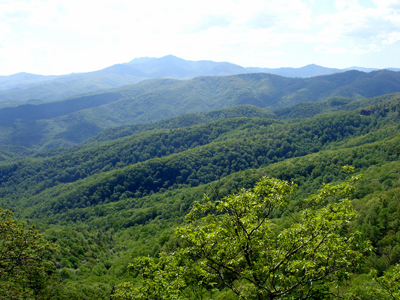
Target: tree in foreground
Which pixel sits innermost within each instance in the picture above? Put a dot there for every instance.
(232, 244)
(25, 268)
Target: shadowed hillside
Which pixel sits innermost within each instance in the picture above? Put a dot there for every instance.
(121, 196)
(74, 120)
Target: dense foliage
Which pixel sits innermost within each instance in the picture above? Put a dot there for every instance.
(180, 158)
(70, 121)
(26, 270)
(122, 195)
(235, 246)
(334, 104)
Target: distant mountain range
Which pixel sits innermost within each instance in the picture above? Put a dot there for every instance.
(24, 86)
(71, 121)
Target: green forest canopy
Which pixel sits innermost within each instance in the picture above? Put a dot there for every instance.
(110, 201)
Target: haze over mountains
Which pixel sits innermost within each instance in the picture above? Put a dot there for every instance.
(71, 121)
(176, 87)
(24, 86)
(109, 174)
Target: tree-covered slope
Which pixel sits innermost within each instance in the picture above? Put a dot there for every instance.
(184, 120)
(271, 91)
(114, 199)
(151, 162)
(54, 109)
(59, 132)
(8, 153)
(334, 104)
(155, 100)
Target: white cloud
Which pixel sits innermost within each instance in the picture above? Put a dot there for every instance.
(364, 26)
(393, 4)
(293, 14)
(61, 36)
(391, 38)
(345, 5)
(349, 49)
(4, 30)
(330, 50)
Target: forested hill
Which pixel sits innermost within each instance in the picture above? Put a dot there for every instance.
(334, 104)
(302, 110)
(24, 86)
(155, 161)
(184, 120)
(121, 196)
(46, 125)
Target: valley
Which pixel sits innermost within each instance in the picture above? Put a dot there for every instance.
(108, 176)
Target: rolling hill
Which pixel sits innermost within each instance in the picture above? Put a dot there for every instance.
(23, 86)
(74, 120)
(121, 195)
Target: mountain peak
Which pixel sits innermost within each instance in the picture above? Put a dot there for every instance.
(139, 60)
(172, 58)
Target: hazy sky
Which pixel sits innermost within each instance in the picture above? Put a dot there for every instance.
(64, 36)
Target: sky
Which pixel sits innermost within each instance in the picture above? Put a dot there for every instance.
(54, 37)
